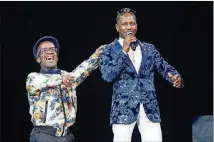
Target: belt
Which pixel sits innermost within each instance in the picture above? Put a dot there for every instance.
(49, 130)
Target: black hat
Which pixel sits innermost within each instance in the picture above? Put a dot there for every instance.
(45, 38)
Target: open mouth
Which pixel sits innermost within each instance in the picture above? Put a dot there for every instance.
(49, 58)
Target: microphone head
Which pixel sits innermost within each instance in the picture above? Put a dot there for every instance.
(133, 45)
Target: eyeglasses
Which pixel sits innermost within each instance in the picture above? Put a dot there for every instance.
(125, 10)
(45, 50)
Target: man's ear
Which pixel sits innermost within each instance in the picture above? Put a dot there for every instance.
(117, 27)
(38, 60)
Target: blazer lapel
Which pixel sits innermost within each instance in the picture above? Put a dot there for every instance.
(128, 60)
(144, 51)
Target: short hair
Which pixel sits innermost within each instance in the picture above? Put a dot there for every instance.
(125, 10)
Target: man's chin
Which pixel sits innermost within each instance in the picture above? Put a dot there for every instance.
(51, 66)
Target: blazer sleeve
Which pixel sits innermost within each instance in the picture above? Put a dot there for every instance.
(163, 67)
(111, 63)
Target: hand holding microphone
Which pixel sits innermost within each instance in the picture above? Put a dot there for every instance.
(130, 41)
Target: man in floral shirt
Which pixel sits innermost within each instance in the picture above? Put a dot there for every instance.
(52, 92)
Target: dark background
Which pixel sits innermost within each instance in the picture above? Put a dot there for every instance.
(182, 32)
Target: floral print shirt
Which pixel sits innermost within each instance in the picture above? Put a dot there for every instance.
(51, 102)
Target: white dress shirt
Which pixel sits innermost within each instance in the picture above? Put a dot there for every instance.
(149, 131)
(135, 56)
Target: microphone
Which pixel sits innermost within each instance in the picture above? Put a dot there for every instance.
(133, 45)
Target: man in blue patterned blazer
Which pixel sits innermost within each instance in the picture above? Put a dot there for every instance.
(130, 64)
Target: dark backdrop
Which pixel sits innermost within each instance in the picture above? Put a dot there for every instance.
(182, 32)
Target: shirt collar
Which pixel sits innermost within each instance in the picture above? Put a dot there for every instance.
(50, 71)
(120, 40)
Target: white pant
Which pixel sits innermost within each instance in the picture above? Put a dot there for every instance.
(149, 131)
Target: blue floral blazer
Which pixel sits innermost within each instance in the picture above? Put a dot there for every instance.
(130, 89)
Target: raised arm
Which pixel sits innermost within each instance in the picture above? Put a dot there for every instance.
(82, 71)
